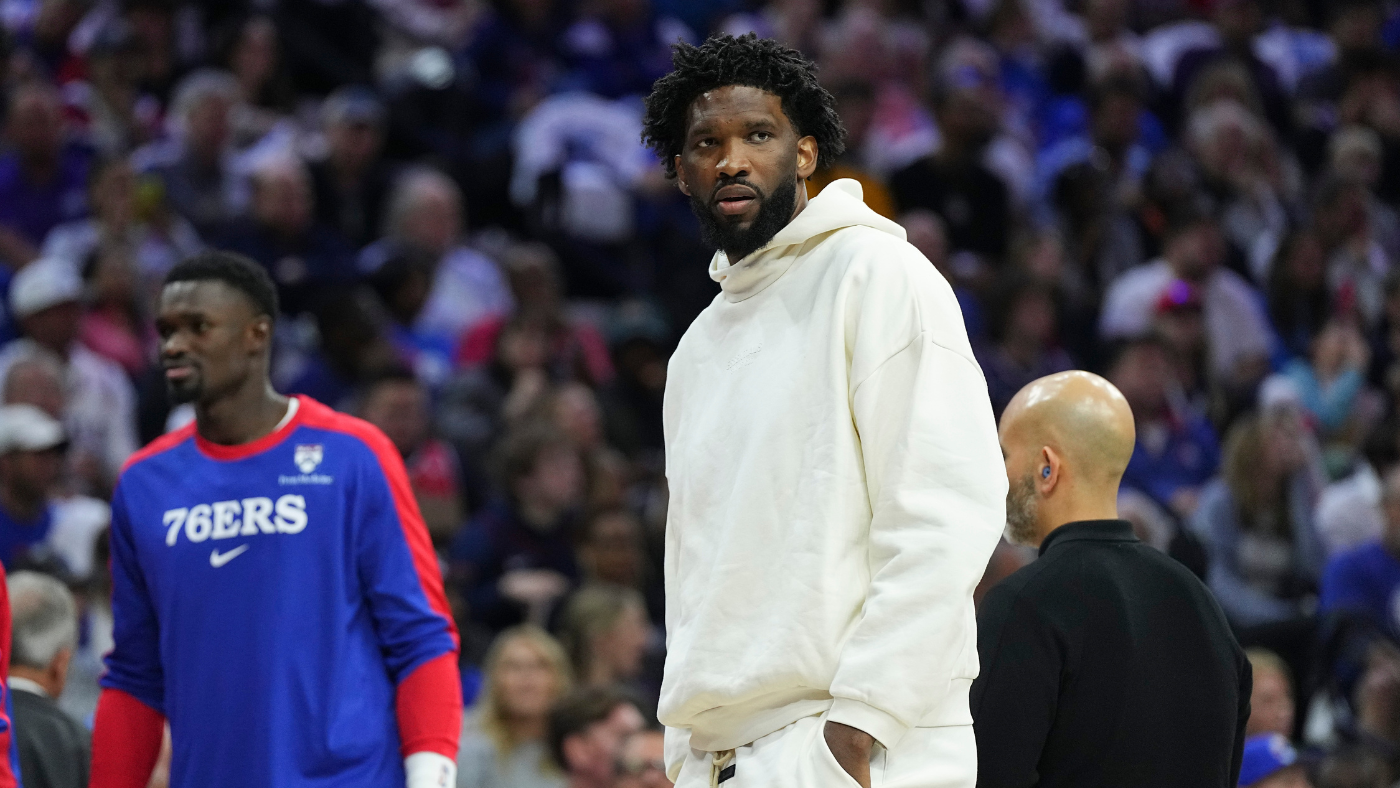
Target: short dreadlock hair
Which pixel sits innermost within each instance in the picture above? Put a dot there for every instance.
(747, 60)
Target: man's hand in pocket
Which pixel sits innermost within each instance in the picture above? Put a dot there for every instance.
(851, 747)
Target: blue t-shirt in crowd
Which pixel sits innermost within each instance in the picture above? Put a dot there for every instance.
(1188, 458)
(18, 537)
(1364, 580)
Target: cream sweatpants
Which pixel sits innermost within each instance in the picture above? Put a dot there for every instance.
(797, 757)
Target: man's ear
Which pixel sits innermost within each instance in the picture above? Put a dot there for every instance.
(260, 334)
(680, 177)
(1047, 474)
(806, 157)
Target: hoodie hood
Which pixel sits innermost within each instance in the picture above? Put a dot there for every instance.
(841, 204)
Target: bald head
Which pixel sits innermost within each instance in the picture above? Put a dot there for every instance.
(1067, 440)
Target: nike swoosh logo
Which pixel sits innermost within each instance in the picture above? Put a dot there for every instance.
(217, 559)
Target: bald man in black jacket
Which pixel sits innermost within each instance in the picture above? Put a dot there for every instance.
(1104, 663)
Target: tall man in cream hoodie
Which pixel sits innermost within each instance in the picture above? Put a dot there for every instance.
(836, 483)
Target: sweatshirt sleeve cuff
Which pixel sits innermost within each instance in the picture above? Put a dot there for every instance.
(883, 726)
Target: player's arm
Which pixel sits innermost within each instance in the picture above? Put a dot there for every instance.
(937, 490)
(403, 588)
(130, 721)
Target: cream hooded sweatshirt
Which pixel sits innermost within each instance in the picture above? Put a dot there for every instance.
(836, 490)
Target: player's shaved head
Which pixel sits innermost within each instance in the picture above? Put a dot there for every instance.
(1067, 439)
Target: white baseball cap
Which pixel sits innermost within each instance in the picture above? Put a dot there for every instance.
(44, 283)
(27, 428)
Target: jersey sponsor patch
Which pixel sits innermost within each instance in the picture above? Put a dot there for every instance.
(227, 519)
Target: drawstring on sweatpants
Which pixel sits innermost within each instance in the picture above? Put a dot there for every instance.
(721, 767)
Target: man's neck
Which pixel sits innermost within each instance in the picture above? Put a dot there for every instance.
(241, 418)
(20, 504)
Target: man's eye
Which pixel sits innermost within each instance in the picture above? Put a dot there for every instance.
(705, 143)
(762, 136)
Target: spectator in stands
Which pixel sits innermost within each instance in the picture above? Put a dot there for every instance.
(253, 54)
(1375, 699)
(352, 183)
(576, 349)
(1094, 181)
(1243, 168)
(43, 179)
(526, 673)
(54, 749)
(1363, 580)
(637, 336)
(36, 527)
(1023, 336)
(403, 282)
(398, 405)
(855, 102)
(282, 235)
(515, 560)
(1271, 705)
(576, 411)
(1176, 450)
(1331, 380)
(611, 550)
(643, 761)
(605, 632)
(100, 407)
(974, 203)
(125, 212)
(1356, 263)
(196, 166)
(618, 48)
(119, 116)
(514, 51)
(31, 461)
(1256, 520)
(587, 731)
(354, 349)
(116, 322)
(1236, 330)
(1179, 322)
(425, 213)
(37, 381)
(1299, 300)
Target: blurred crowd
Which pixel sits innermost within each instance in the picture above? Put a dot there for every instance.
(1198, 198)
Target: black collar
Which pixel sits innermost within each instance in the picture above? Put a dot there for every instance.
(1093, 530)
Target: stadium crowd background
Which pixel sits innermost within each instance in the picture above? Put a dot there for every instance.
(1197, 198)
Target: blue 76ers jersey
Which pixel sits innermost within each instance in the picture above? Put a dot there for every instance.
(269, 597)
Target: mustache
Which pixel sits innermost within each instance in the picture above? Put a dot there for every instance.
(725, 182)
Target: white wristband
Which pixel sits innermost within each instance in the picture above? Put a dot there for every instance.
(429, 770)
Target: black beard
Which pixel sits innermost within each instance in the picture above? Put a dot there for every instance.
(774, 213)
(183, 391)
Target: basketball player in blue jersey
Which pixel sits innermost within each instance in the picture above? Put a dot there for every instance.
(274, 592)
